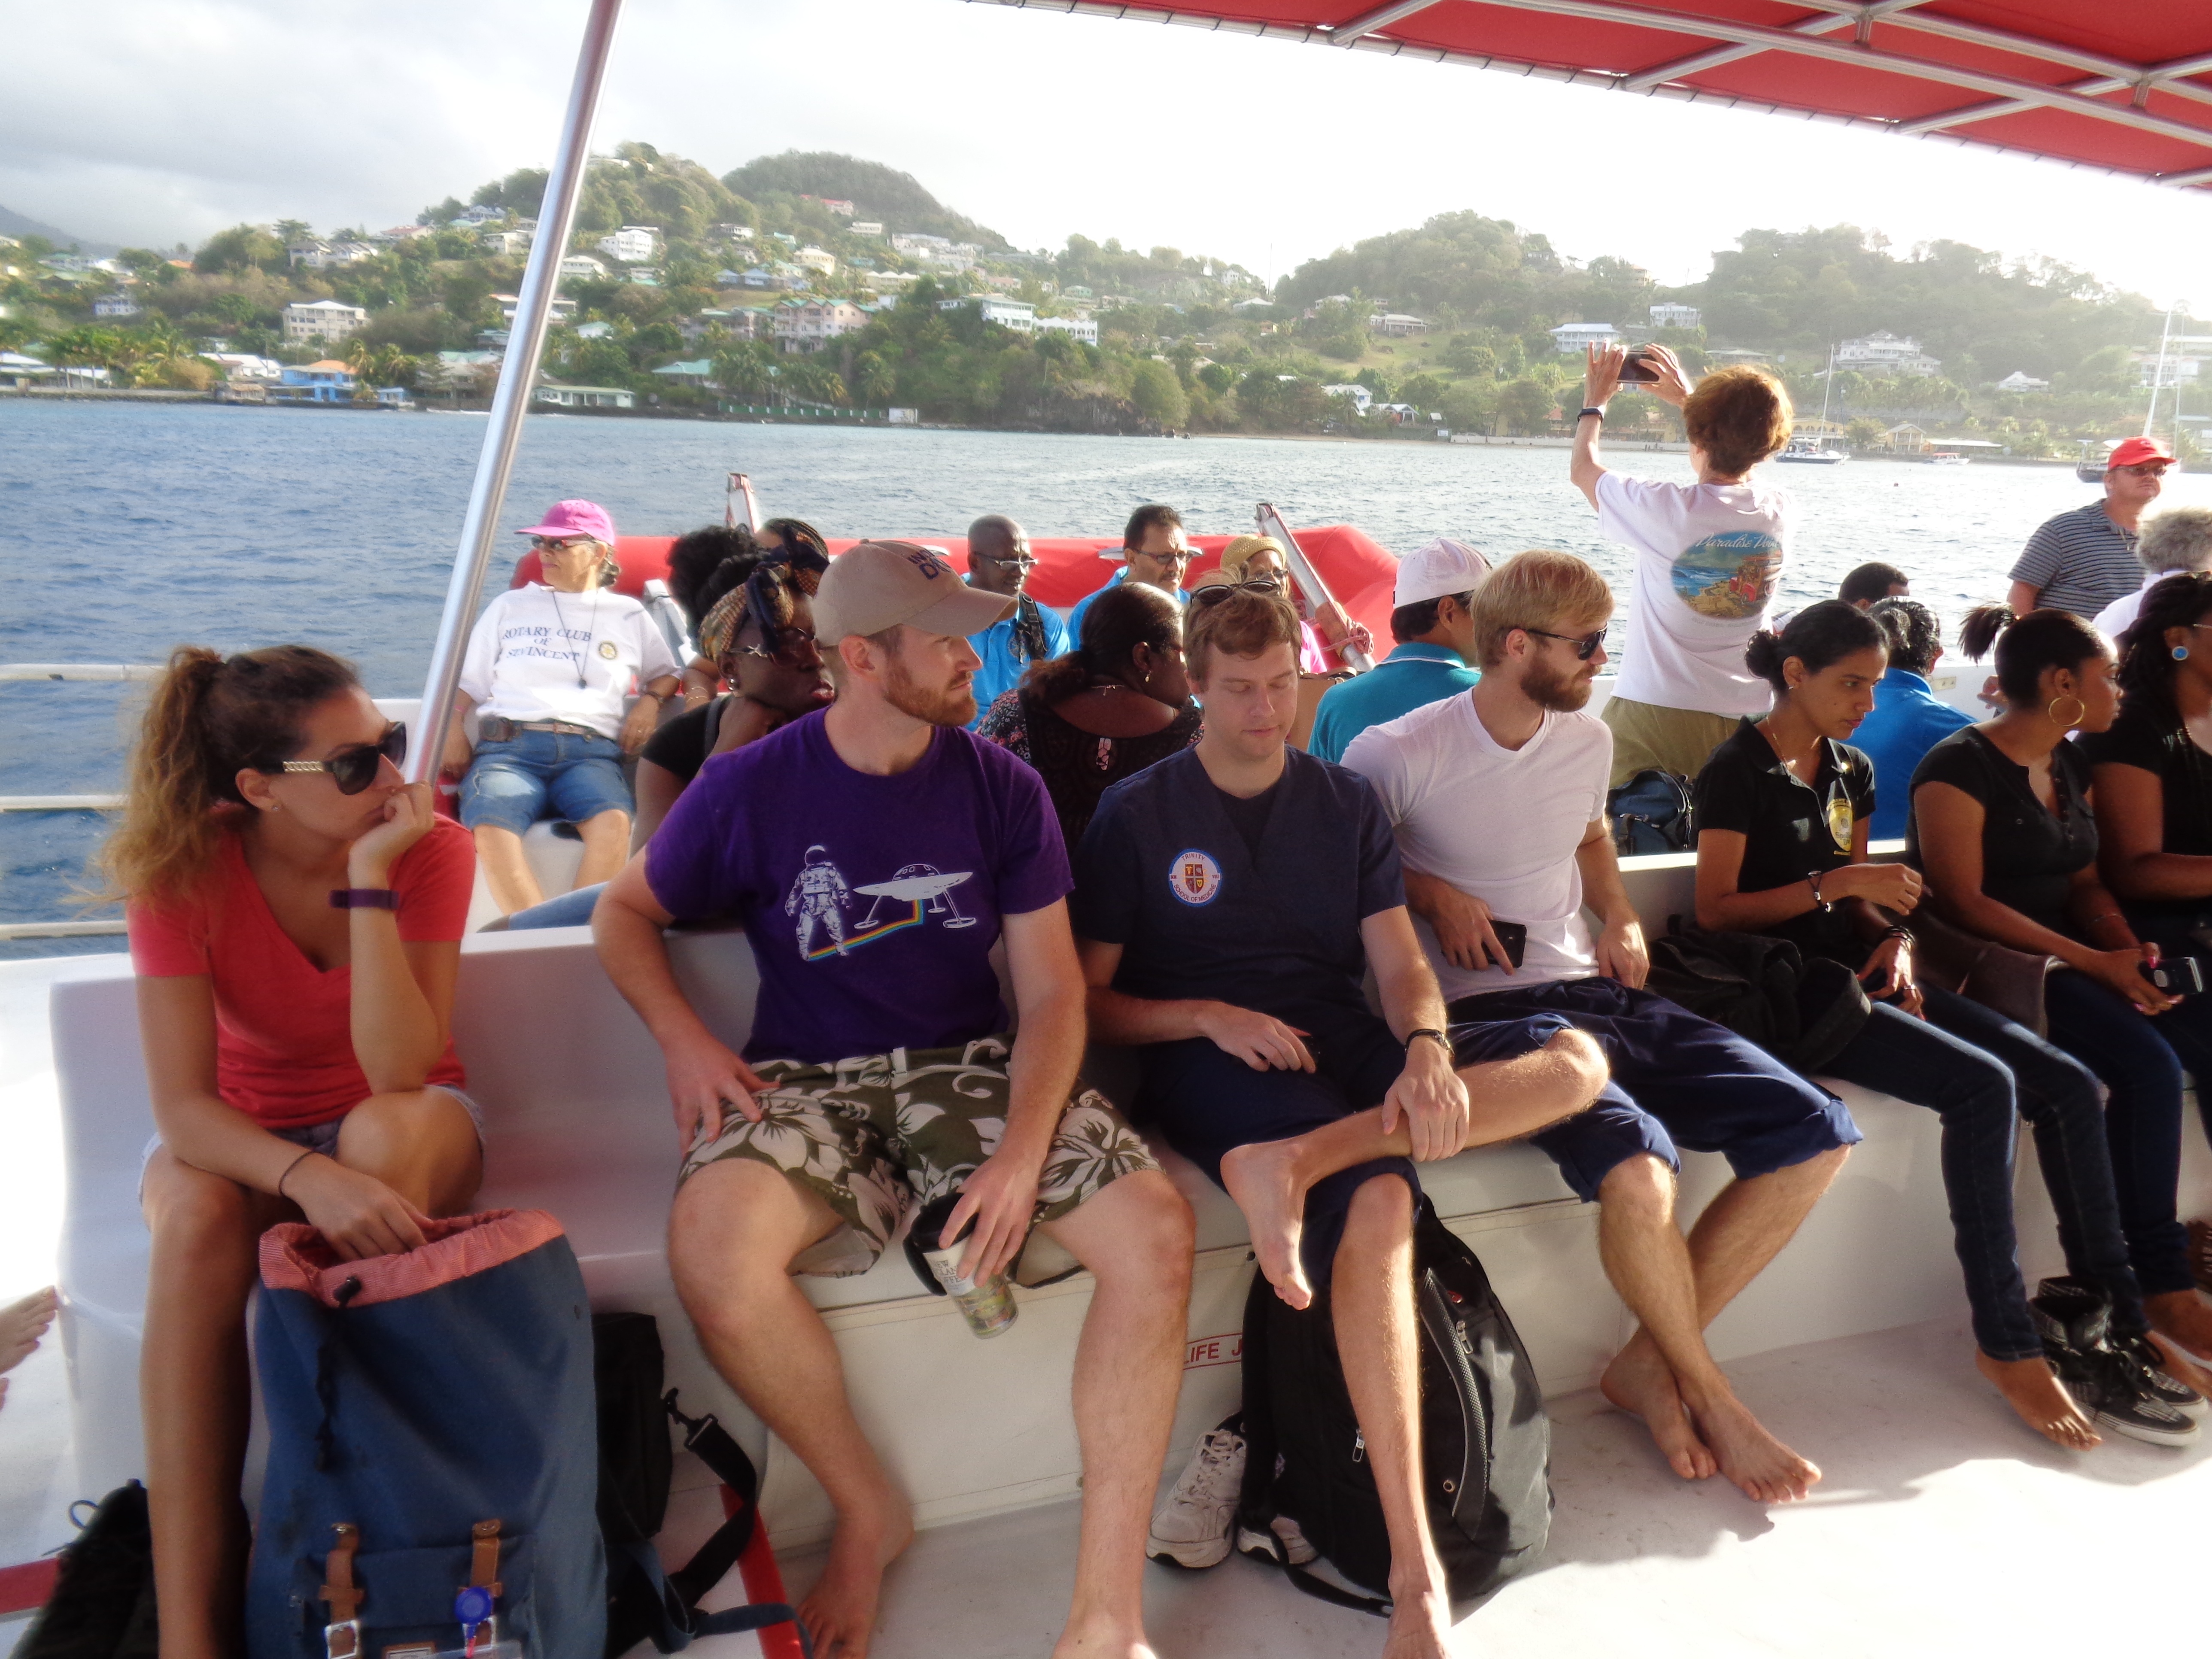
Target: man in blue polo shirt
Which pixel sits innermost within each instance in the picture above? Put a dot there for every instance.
(1153, 550)
(1909, 719)
(999, 562)
(1228, 901)
(1436, 645)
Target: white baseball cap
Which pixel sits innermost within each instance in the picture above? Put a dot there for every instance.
(1442, 568)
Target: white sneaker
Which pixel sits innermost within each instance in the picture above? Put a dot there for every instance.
(1192, 1528)
(1295, 1546)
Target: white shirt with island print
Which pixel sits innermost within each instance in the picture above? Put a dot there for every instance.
(1709, 561)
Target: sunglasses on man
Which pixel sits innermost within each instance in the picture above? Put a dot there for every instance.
(354, 767)
(1214, 595)
(1586, 646)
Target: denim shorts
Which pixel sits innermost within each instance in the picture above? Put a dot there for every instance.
(513, 784)
(323, 1137)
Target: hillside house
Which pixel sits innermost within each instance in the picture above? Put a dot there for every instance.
(582, 264)
(322, 319)
(508, 304)
(504, 242)
(1397, 326)
(633, 244)
(817, 260)
(1361, 399)
(696, 372)
(1571, 339)
(329, 382)
(585, 396)
(808, 326)
(1884, 353)
(1085, 329)
(1674, 316)
(865, 228)
(115, 305)
(2020, 380)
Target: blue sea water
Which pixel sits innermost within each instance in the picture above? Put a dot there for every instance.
(128, 528)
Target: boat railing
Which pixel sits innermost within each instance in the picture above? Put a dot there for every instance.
(81, 928)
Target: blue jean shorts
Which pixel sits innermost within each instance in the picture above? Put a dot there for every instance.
(323, 1137)
(511, 784)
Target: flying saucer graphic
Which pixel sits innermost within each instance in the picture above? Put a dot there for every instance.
(917, 884)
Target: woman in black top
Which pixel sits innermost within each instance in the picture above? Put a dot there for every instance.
(2003, 826)
(1782, 812)
(1107, 710)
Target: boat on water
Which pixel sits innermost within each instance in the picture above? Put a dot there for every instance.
(1944, 458)
(1833, 1340)
(1812, 452)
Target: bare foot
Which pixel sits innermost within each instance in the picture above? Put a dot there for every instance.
(1760, 1466)
(2181, 1367)
(21, 1324)
(2184, 1319)
(1102, 1639)
(1641, 1383)
(1263, 1178)
(840, 1610)
(2033, 1389)
(1420, 1626)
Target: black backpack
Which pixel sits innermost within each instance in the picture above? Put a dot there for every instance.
(1650, 813)
(1485, 1443)
(645, 1602)
(101, 1605)
(1801, 1010)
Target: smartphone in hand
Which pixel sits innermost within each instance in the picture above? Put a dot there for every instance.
(2178, 977)
(1637, 367)
(1514, 936)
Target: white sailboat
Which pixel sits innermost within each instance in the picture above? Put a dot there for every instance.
(1815, 451)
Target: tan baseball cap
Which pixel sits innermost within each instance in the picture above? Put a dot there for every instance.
(872, 586)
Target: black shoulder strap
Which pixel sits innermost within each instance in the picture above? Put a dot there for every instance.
(727, 1460)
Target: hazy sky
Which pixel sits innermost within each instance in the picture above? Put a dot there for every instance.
(155, 121)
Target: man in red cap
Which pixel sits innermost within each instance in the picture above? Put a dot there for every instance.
(2083, 560)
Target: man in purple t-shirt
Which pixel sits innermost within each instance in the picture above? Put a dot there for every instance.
(874, 853)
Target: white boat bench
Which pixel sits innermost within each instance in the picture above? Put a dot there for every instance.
(578, 1122)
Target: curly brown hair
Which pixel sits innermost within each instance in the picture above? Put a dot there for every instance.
(1739, 416)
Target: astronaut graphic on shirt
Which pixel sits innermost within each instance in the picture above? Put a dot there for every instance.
(818, 894)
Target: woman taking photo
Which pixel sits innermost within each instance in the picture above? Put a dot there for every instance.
(295, 912)
(1106, 710)
(1783, 809)
(2003, 824)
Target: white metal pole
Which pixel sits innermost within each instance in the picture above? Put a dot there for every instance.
(1309, 578)
(518, 377)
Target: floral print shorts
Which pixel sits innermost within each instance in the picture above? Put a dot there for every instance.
(879, 1135)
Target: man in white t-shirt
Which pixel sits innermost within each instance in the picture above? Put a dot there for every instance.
(1498, 799)
(549, 667)
(1709, 560)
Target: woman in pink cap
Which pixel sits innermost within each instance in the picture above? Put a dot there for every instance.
(549, 669)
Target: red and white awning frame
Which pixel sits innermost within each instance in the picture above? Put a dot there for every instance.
(1897, 65)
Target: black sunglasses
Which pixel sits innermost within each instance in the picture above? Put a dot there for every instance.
(353, 769)
(1586, 646)
(1220, 591)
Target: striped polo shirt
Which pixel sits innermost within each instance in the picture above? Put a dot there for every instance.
(2081, 561)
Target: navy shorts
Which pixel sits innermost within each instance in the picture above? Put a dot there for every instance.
(511, 784)
(1677, 1081)
(1208, 1102)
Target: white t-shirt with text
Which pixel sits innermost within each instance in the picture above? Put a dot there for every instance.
(539, 655)
(1500, 823)
(1709, 561)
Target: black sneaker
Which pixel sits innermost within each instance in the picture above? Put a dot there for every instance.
(2065, 1297)
(2074, 1319)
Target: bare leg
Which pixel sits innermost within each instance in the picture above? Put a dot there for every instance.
(736, 1228)
(1508, 1099)
(1666, 1375)
(606, 846)
(195, 1396)
(514, 884)
(1136, 1239)
(2184, 1319)
(1372, 1303)
(419, 1143)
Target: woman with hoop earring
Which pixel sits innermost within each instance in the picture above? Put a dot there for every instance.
(2004, 828)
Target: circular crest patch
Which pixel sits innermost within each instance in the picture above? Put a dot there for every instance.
(1840, 821)
(1194, 876)
(607, 649)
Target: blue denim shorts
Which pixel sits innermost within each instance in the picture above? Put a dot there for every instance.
(536, 775)
(323, 1137)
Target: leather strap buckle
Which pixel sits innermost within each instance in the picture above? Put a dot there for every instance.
(342, 1636)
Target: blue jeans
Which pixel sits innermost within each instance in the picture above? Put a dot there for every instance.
(2141, 1062)
(1973, 1068)
(570, 909)
(511, 783)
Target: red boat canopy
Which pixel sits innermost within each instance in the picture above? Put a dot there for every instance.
(2119, 84)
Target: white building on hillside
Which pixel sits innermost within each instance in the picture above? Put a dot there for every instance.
(865, 228)
(2020, 380)
(582, 264)
(634, 245)
(1883, 353)
(246, 366)
(1019, 315)
(1673, 316)
(816, 259)
(1397, 326)
(322, 319)
(810, 325)
(504, 241)
(115, 305)
(1360, 396)
(1085, 329)
(1570, 340)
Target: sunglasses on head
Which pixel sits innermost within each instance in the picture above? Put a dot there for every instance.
(354, 769)
(1220, 591)
(793, 647)
(1586, 645)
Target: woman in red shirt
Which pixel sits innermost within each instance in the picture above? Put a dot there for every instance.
(295, 914)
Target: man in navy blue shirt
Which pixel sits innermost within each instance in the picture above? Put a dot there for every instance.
(999, 562)
(1909, 719)
(1228, 901)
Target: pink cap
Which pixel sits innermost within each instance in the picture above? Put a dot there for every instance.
(575, 518)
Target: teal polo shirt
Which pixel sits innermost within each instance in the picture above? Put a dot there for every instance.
(1411, 676)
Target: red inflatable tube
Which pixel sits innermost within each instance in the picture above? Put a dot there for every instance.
(1359, 572)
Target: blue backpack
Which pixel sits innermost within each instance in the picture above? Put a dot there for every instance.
(432, 1469)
